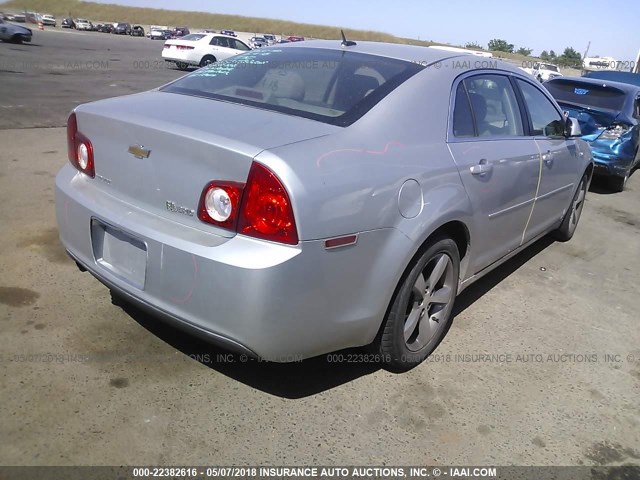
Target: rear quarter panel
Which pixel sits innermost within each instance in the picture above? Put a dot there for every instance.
(350, 181)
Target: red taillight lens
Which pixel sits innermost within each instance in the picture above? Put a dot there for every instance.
(220, 204)
(79, 148)
(266, 210)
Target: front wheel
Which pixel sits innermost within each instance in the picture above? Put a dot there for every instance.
(421, 312)
(567, 228)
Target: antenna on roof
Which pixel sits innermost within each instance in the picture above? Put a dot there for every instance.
(345, 42)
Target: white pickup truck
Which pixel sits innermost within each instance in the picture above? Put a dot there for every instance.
(544, 71)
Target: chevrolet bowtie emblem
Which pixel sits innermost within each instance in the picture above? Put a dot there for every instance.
(139, 151)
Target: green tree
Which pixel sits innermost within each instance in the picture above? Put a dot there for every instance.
(524, 51)
(499, 45)
(544, 56)
(570, 58)
(473, 46)
(552, 55)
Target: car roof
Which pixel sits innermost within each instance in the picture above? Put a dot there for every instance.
(625, 87)
(411, 53)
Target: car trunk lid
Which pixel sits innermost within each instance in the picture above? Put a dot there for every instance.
(158, 150)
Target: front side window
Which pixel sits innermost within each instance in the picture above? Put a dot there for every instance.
(494, 106)
(332, 86)
(238, 45)
(545, 119)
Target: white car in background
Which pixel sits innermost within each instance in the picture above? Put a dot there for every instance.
(48, 20)
(201, 49)
(270, 38)
(544, 71)
(83, 24)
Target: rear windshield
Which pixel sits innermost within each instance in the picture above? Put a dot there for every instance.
(546, 66)
(330, 86)
(624, 77)
(194, 37)
(578, 93)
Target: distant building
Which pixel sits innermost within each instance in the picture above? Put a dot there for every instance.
(600, 63)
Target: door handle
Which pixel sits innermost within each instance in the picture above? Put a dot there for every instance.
(547, 158)
(482, 168)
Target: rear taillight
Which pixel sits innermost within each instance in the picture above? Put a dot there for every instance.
(167, 46)
(266, 210)
(184, 47)
(79, 148)
(260, 209)
(220, 204)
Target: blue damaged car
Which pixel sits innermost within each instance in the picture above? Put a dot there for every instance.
(609, 116)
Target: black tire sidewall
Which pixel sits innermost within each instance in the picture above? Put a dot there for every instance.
(394, 344)
(564, 233)
(202, 62)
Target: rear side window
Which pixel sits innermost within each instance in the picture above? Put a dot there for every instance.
(545, 119)
(462, 116)
(220, 42)
(332, 86)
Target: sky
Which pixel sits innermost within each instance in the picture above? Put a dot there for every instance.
(540, 25)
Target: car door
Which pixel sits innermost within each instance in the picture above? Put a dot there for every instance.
(499, 165)
(560, 159)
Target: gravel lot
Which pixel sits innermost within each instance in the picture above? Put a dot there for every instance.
(522, 378)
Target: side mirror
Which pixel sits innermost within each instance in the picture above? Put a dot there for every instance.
(572, 128)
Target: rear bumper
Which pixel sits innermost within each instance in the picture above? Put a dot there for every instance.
(612, 158)
(607, 164)
(277, 302)
(213, 338)
(173, 56)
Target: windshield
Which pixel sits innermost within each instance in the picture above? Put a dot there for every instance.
(587, 94)
(331, 86)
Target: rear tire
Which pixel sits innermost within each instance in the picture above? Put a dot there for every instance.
(421, 310)
(567, 228)
(182, 66)
(207, 60)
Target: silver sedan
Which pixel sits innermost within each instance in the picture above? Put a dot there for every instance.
(310, 197)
